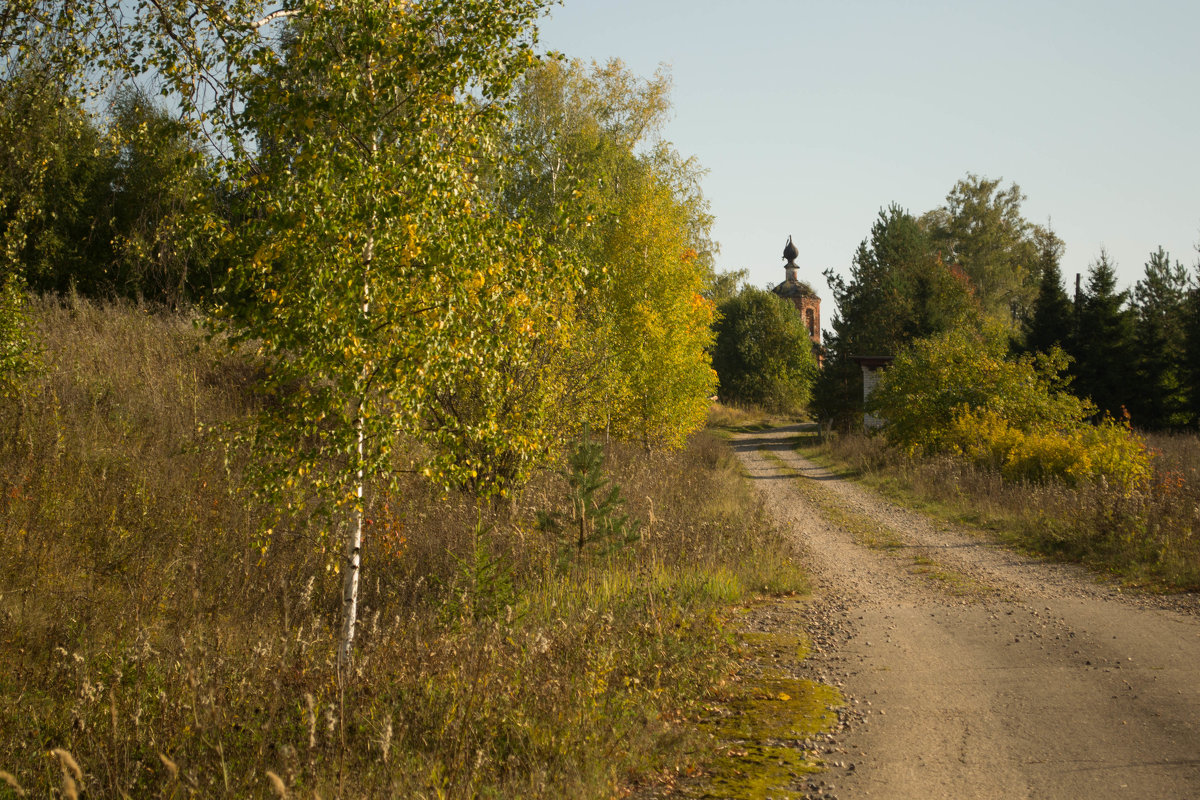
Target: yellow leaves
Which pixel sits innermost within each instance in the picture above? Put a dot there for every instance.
(1107, 451)
(264, 254)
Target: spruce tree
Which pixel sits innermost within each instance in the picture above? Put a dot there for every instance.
(899, 289)
(1052, 320)
(1160, 299)
(1104, 341)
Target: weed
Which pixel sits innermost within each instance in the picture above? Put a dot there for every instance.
(1147, 536)
(144, 625)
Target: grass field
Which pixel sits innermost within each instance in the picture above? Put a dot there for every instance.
(154, 642)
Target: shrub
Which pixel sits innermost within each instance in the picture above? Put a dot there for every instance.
(959, 393)
(1084, 452)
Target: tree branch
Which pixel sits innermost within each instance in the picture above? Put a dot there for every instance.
(274, 15)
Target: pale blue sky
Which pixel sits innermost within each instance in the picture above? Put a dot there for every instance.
(810, 117)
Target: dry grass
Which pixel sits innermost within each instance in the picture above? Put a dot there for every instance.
(731, 417)
(147, 631)
(1149, 537)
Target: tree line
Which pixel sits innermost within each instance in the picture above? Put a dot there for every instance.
(447, 253)
(976, 260)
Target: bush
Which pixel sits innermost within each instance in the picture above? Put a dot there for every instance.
(959, 393)
(1107, 451)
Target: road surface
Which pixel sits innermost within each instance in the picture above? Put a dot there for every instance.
(973, 671)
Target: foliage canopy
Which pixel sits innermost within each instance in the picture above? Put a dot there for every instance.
(626, 209)
(899, 289)
(763, 353)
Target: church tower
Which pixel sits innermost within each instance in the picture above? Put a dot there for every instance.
(802, 296)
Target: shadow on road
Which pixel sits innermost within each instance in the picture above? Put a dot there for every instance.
(771, 441)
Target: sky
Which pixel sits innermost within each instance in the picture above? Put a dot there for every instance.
(811, 117)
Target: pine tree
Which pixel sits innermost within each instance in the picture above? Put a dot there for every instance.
(1052, 321)
(1190, 366)
(899, 289)
(1160, 299)
(1104, 341)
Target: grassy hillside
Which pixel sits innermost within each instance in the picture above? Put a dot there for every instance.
(151, 630)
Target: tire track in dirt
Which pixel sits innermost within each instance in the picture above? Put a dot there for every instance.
(972, 671)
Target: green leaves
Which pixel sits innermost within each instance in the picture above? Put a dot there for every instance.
(369, 270)
(900, 289)
(958, 394)
(18, 347)
(981, 230)
(763, 353)
(935, 379)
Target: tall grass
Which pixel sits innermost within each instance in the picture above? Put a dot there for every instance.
(1148, 536)
(150, 632)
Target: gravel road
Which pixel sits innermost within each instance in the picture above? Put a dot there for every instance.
(972, 671)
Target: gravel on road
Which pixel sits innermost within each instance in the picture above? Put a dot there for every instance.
(974, 671)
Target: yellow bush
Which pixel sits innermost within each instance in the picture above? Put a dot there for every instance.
(1043, 455)
(1083, 452)
(961, 393)
(1119, 455)
(983, 437)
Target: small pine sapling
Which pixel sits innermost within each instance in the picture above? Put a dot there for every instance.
(596, 502)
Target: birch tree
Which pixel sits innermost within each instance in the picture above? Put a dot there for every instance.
(981, 230)
(368, 272)
(626, 206)
(374, 274)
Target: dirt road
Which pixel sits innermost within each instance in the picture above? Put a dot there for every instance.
(971, 671)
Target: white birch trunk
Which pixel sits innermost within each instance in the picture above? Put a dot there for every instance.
(354, 542)
(353, 563)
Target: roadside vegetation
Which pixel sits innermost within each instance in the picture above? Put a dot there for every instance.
(1146, 536)
(352, 398)
(151, 632)
(961, 394)
(1063, 424)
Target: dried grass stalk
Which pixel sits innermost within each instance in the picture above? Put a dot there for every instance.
(277, 784)
(170, 765)
(11, 780)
